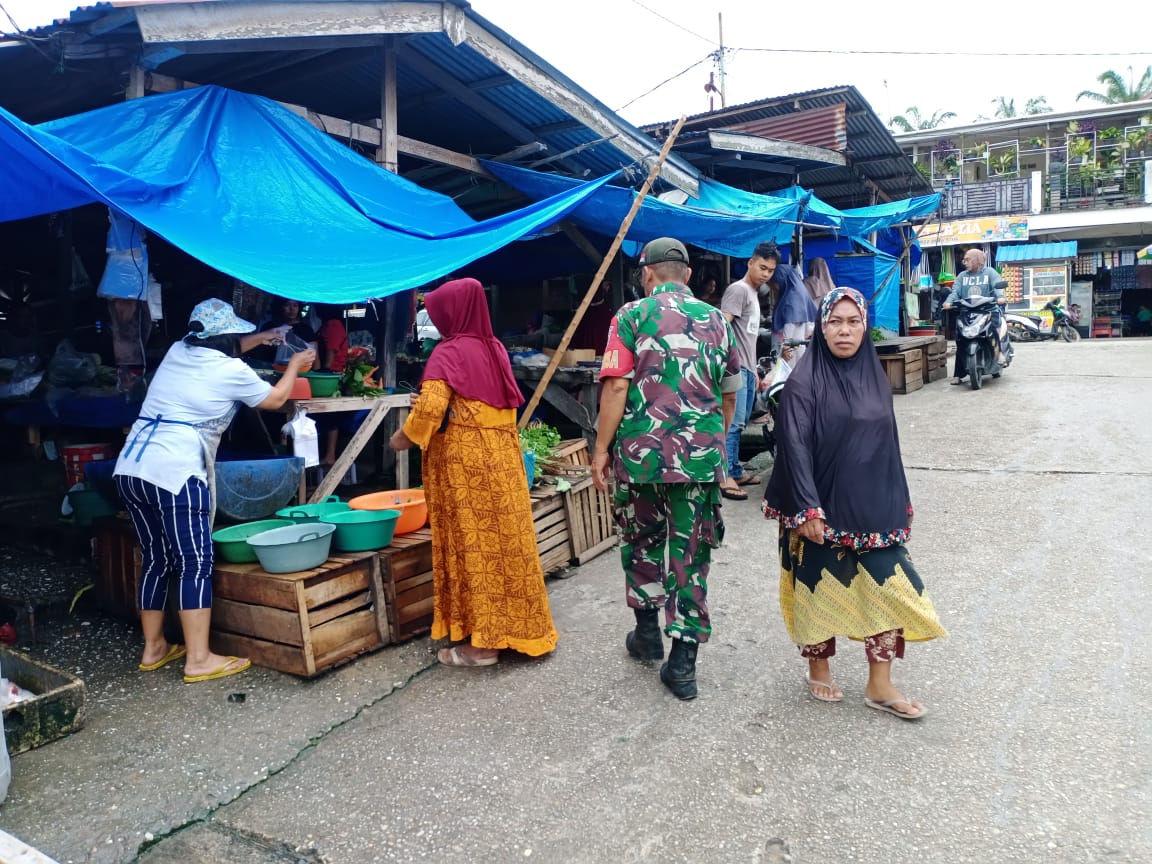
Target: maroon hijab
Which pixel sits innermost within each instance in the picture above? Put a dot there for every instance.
(470, 357)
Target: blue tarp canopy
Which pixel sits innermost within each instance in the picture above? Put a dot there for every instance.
(870, 270)
(256, 192)
(725, 232)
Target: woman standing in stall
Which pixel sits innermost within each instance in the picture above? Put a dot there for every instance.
(166, 472)
(488, 582)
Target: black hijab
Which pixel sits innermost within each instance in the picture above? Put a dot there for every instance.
(837, 443)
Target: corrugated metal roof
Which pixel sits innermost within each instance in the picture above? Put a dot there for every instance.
(825, 127)
(1036, 251)
(450, 95)
(877, 166)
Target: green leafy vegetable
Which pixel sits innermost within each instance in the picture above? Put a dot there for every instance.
(541, 439)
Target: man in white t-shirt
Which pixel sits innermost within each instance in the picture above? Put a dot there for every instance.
(741, 306)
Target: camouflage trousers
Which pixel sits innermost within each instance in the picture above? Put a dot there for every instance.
(667, 533)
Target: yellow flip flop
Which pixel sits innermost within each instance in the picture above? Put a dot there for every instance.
(175, 652)
(224, 671)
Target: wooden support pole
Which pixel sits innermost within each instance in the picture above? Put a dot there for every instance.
(386, 156)
(534, 402)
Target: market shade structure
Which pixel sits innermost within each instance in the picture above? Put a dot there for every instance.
(256, 192)
(729, 233)
(722, 219)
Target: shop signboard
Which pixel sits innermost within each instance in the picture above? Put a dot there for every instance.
(992, 229)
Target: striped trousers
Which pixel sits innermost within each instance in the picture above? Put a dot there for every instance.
(175, 540)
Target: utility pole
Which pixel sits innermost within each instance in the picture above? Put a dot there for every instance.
(720, 62)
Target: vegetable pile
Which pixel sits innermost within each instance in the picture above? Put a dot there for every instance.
(360, 376)
(541, 439)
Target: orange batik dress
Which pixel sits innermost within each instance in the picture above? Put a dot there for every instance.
(489, 584)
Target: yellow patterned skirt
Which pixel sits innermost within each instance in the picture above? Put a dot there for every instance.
(828, 591)
(488, 581)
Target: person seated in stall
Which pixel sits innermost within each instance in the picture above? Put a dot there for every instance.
(592, 331)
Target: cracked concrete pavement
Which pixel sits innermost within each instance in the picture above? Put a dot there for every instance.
(1031, 498)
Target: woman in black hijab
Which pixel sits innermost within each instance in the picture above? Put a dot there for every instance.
(840, 495)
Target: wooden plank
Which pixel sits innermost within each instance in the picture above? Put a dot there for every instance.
(305, 630)
(380, 603)
(575, 520)
(414, 595)
(336, 586)
(337, 636)
(401, 564)
(361, 437)
(248, 588)
(271, 655)
(405, 615)
(341, 607)
(413, 581)
(599, 548)
(347, 653)
(263, 622)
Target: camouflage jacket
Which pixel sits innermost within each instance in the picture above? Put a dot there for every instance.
(680, 355)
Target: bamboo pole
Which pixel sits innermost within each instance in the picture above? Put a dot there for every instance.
(534, 402)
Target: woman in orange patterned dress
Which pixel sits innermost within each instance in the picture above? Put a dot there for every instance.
(489, 585)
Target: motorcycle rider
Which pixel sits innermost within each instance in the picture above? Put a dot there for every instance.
(978, 279)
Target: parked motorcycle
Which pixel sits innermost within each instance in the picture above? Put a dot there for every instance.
(1026, 328)
(976, 331)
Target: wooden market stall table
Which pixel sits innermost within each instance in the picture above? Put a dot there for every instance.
(573, 391)
(912, 361)
(378, 408)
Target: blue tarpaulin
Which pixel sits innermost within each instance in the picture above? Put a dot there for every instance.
(724, 232)
(256, 192)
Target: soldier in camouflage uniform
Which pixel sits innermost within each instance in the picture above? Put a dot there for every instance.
(670, 375)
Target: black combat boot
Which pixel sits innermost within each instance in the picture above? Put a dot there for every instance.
(679, 673)
(645, 642)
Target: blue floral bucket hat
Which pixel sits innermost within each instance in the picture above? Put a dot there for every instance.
(217, 318)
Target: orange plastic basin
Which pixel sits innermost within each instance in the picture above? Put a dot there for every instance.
(410, 502)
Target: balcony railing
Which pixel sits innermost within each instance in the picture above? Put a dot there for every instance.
(991, 198)
(1070, 189)
(1078, 189)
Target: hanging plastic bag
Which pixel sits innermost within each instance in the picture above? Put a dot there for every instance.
(291, 346)
(71, 368)
(305, 439)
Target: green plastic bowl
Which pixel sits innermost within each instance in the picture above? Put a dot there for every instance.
(300, 513)
(232, 542)
(323, 384)
(362, 530)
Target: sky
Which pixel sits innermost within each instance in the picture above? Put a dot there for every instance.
(618, 50)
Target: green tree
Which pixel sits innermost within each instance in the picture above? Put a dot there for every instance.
(1005, 108)
(1038, 105)
(913, 121)
(1116, 91)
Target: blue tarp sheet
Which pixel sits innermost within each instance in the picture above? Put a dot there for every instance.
(255, 191)
(724, 232)
(873, 273)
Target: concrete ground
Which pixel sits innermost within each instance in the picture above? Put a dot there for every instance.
(1031, 499)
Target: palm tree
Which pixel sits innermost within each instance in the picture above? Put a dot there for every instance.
(1116, 91)
(913, 121)
(1038, 105)
(1005, 108)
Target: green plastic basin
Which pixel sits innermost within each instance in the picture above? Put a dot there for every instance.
(323, 384)
(232, 542)
(300, 513)
(362, 530)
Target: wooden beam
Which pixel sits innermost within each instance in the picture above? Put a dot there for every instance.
(582, 242)
(346, 130)
(459, 90)
(760, 146)
(386, 153)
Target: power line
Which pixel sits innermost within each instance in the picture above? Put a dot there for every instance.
(674, 24)
(951, 53)
(703, 59)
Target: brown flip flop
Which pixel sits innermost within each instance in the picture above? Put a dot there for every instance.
(733, 494)
(750, 481)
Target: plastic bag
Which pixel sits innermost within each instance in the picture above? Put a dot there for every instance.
(305, 439)
(25, 377)
(70, 368)
(291, 346)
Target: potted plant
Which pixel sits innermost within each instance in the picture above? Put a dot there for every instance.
(1079, 146)
(1003, 163)
(1036, 143)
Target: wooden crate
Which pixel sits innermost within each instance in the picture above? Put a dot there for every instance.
(570, 459)
(905, 370)
(550, 519)
(406, 575)
(588, 513)
(939, 373)
(301, 623)
(117, 554)
(938, 348)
